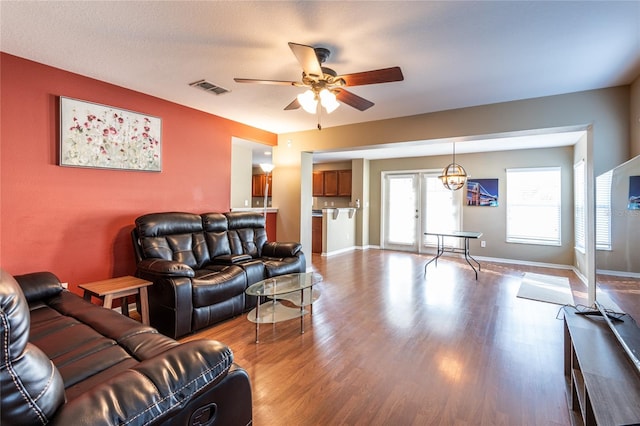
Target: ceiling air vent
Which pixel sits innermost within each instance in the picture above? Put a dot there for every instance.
(209, 87)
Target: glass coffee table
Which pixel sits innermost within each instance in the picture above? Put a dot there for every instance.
(292, 289)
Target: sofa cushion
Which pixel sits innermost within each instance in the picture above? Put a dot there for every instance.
(169, 223)
(247, 233)
(218, 244)
(215, 227)
(173, 236)
(212, 286)
(214, 222)
(31, 386)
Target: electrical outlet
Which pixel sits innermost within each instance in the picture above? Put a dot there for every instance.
(64, 285)
(483, 244)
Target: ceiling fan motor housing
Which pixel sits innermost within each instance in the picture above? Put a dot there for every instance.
(322, 54)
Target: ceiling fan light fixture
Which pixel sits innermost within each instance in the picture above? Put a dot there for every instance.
(308, 101)
(328, 100)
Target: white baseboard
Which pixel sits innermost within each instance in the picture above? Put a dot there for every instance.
(494, 260)
(335, 252)
(623, 274)
(524, 262)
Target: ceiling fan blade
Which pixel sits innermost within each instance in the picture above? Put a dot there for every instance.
(385, 75)
(353, 100)
(253, 80)
(307, 58)
(293, 105)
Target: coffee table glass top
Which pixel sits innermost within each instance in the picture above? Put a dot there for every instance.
(284, 284)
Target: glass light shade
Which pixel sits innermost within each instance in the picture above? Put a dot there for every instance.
(453, 176)
(266, 167)
(308, 101)
(328, 100)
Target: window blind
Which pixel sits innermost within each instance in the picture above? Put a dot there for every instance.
(579, 196)
(534, 205)
(603, 211)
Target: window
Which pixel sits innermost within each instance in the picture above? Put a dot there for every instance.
(533, 205)
(603, 211)
(578, 206)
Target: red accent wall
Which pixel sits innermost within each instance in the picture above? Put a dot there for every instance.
(75, 222)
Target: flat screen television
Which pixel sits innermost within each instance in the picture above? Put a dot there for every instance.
(625, 329)
(618, 253)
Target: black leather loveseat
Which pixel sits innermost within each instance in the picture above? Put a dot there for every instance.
(65, 361)
(201, 265)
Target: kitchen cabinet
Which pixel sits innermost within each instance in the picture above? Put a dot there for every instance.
(316, 234)
(332, 183)
(318, 184)
(257, 185)
(344, 183)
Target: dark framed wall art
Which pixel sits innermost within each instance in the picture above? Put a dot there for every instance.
(634, 193)
(106, 137)
(482, 192)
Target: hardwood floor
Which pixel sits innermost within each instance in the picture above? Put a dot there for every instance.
(387, 345)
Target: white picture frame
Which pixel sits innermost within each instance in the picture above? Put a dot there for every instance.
(101, 136)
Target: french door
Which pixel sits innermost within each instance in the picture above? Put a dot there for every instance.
(414, 203)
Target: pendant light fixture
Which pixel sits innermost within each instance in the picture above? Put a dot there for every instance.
(454, 176)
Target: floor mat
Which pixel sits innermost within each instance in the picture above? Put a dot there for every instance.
(546, 288)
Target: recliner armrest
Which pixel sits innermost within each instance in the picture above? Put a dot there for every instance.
(275, 249)
(163, 267)
(153, 390)
(39, 285)
(231, 259)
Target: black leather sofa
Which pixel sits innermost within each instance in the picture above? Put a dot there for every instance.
(201, 265)
(65, 361)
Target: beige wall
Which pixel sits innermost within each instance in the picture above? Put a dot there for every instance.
(491, 220)
(241, 158)
(604, 112)
(360, 192)
(634, 118)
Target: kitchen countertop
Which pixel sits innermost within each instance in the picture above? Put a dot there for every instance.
(254, 209)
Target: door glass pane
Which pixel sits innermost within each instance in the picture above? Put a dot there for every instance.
(441, 210)
(402, 210)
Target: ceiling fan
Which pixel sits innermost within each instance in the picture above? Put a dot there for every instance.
(325, 86)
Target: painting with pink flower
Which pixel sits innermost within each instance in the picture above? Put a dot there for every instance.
(101, 136)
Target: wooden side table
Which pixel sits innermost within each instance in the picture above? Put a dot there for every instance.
(120, 287)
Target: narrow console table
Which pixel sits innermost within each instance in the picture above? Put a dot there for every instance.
(603, 386)
(440, 249)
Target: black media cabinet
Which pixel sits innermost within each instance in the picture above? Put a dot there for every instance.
(603, 386)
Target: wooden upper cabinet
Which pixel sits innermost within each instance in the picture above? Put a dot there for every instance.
(257, 185)
(318, 184)
(331, 183)
(344, 183)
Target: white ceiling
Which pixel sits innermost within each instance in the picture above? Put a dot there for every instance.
(453, 54)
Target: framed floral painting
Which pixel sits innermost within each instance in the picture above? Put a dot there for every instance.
(101, 136)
